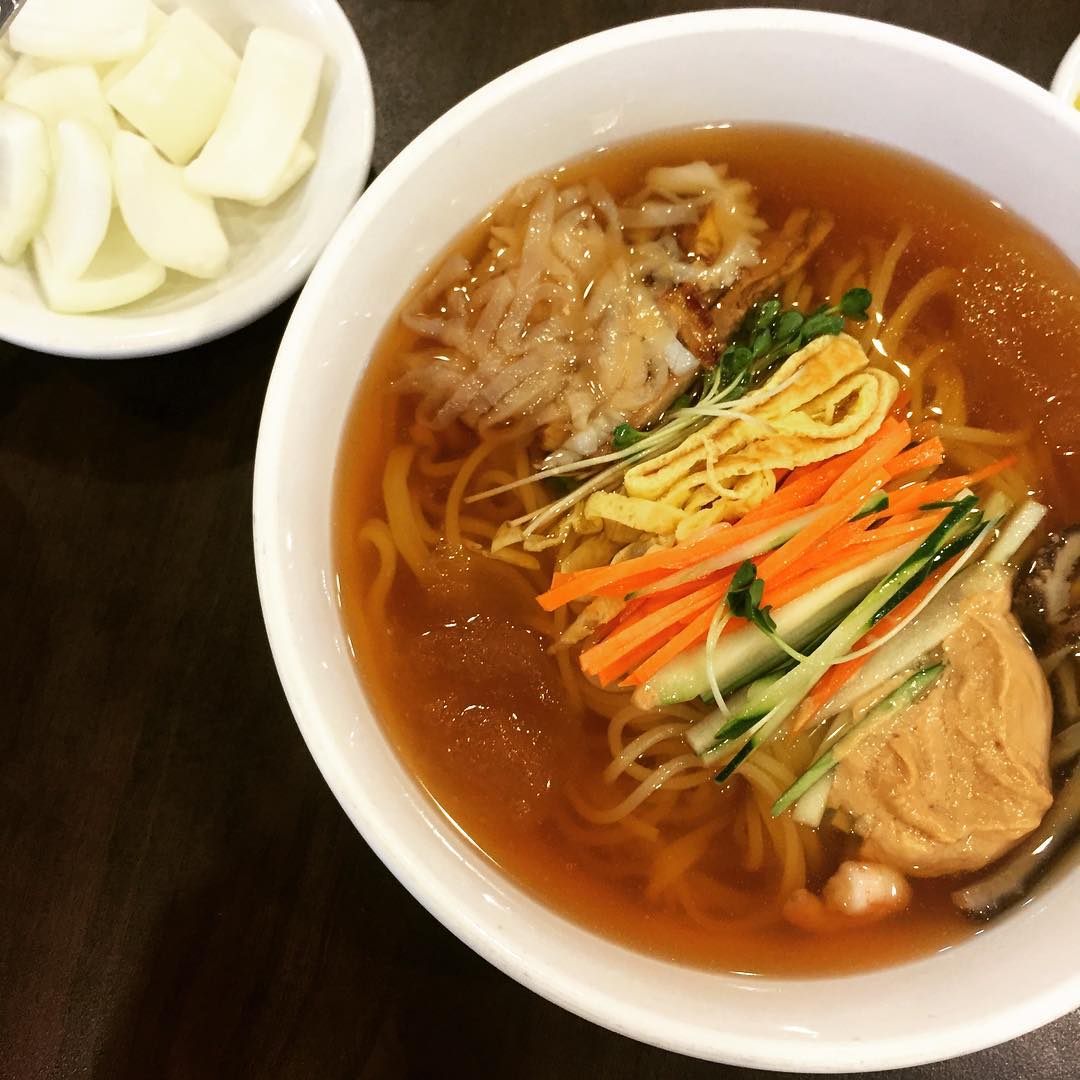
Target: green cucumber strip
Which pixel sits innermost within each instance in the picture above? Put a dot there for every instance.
(786, 694)
(905, 695)
(949, 551)
(745, 655)
(874, 505)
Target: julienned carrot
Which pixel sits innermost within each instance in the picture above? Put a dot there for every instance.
(992, 469)
(916, 495)
(890, 439)
(831, 516)
(839, 674)
(648, 626)
(588, 582)
(799, 491)
(846, 559)
(640, 606)
(626, 662)
(850, 539)
(778, 593)
(693, 633)
(808, 483)
(791, 589)
(924, 455)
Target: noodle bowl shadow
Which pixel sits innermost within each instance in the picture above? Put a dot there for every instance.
(739, 66)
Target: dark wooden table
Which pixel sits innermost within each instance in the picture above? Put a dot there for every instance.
(180, 896)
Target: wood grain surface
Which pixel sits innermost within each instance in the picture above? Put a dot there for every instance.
(181, 897)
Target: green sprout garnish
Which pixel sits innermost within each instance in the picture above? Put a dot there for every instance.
(744, 598)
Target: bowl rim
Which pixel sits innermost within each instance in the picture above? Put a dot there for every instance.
(493, 942)
(129, 333)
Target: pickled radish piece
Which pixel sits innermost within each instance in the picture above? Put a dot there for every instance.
(80, 31)
(269, 109)
(25, 164)
(156, 20)
(24, 67)
(67, 93)
(81, 204)
(172, 224)
(299, 165)
(7, 62)
(177, 93)
(121, 274)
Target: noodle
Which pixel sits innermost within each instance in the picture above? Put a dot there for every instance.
(377, 533)
(649, 812)
(399, 509)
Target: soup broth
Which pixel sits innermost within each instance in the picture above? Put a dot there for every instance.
(501, 732)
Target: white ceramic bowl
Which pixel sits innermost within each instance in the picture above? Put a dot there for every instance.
(1066, 84)
(844, 74)
(274, 248)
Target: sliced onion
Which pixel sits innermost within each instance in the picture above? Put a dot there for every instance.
(176, 94)
(78, 214)
(121, 274)
(25, 165)
(67, 93)
(80, 31)
(270, 107)
(174, 225)
(299, 166)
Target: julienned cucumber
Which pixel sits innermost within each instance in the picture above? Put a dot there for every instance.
(784, 696)
(907, 693)
(744, 654)
(943, 614)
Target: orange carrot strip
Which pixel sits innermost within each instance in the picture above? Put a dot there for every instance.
(825, 522)
(587, 582)
(694, 633)
(781, 592)
(900, 405)
(990, 470)
(801, 491)
(648, 626)
(892, 437)
(624, 663)
(808, 483)
(845, 560)
(853, 534)
(924, 455)
(916, 495)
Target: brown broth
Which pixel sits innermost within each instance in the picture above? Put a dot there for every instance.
(461, 682)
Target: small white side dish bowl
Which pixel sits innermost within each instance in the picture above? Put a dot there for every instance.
(847, 75)
(273, 249)
(1066, 84)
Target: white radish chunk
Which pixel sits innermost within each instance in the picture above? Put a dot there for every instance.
(174, 225)
(299, 165)
(78, 214)
(24, 67)
(7, 62)
(121, 274)
(270, 107)
(67, 93)
(25, 164)
(80, 31)
(185, 23)
(155, 22)
(177, 93)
